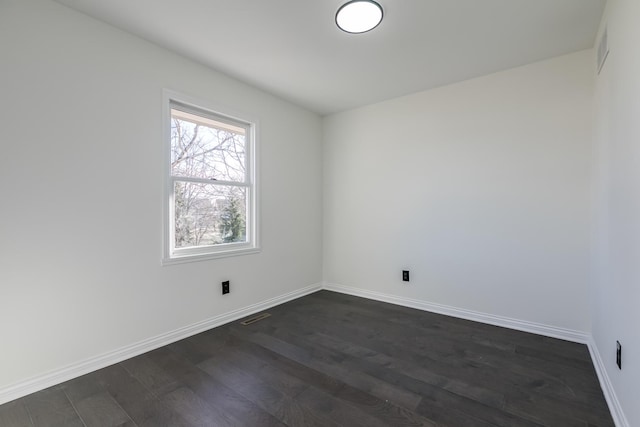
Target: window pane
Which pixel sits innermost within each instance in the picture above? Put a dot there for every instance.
(209, 214)
(205, 148)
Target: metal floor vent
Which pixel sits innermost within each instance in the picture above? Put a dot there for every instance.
(255, 318)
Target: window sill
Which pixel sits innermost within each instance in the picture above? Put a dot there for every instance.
(181, 259)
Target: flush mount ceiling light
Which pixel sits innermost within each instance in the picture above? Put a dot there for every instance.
(359, 16)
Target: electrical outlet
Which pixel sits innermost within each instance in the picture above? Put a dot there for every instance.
(225, 287)
(619, 354)
(405, 275)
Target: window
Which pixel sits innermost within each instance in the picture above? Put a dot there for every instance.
(210, 194)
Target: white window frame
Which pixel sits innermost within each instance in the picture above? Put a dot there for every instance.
(171, 254)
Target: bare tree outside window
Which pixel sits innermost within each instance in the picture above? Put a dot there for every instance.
(210, 192)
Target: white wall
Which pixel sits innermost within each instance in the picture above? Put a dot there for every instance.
(480, 189)
(616, 314)
(81, 185)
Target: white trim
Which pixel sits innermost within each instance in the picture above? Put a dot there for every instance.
(252, 126)
(208, 256)
(609, 392)
(74, 370)
(77, 369)
(505, 322)
(521, 325)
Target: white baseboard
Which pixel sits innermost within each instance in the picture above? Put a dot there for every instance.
(74, 370)
(57, 376)
(617, 414)
(506, 322)
(550, 331)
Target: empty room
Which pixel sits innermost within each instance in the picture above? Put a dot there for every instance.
(320, 213)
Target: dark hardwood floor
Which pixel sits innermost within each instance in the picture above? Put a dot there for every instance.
(334, 360)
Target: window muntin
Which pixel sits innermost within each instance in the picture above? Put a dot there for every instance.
(211, 190)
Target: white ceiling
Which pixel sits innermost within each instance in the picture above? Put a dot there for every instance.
(292, 48)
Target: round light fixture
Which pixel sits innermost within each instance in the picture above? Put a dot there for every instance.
(359, 16)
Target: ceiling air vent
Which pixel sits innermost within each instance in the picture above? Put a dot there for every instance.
(603, 49)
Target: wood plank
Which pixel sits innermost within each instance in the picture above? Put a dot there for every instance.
(330, 360)
(15, 414)
(139, 403)
(101, 410)
(235, 407)
(283, 407)
(193, 409)
(301, 362)
(52, 408)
